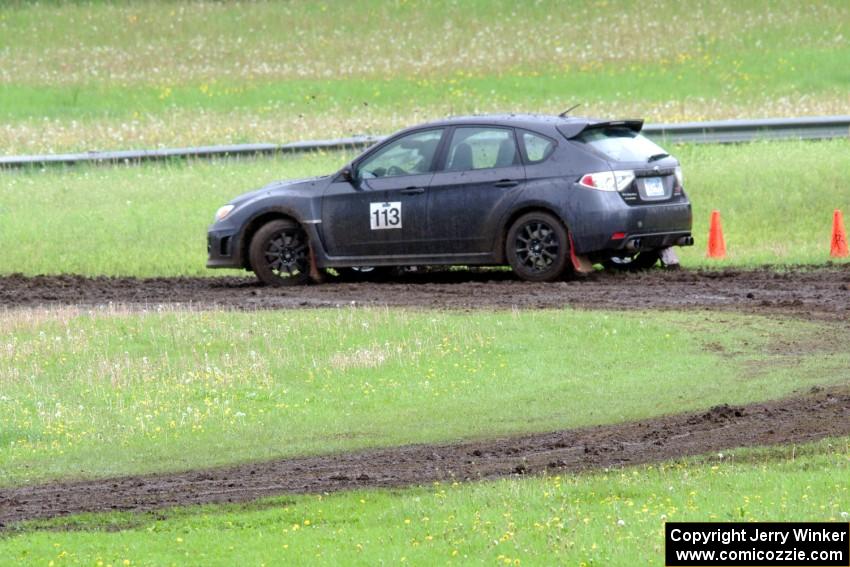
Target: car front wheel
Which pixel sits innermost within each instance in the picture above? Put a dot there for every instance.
(367, 273)
(538, 248)
(280, 254)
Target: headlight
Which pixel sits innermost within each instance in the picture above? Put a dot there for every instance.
(222, 212)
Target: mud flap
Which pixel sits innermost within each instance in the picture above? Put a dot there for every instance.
(581, 264)
(316, 276)
(669, 258)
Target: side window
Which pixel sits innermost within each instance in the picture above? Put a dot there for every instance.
(480, 148)
(537, 148)
(408, 155)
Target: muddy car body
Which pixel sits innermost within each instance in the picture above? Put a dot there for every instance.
(542, 194)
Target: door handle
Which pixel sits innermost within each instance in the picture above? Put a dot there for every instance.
(412, 190)
(506, 183)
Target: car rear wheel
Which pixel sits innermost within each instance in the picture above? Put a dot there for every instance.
(636, 262)
(280, 254)
(538, 248)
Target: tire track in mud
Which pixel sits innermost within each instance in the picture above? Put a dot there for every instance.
(794, 420)
(822, 292)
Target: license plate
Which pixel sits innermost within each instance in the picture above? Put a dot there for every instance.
(653, 186)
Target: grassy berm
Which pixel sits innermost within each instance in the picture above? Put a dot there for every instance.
(89, 394)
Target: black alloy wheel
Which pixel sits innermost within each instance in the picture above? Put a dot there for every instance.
(280, 254)
(538, 247)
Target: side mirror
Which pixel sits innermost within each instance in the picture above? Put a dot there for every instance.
(347, 174)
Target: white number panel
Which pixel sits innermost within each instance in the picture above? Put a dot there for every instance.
(385, 215)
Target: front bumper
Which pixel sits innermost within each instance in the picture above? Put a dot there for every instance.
(223, 250)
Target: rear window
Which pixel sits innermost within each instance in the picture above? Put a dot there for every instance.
(620, 144)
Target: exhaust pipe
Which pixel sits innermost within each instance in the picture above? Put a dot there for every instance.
(633, 244)
(685, 241)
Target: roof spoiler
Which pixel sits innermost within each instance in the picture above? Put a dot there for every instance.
(571, 130)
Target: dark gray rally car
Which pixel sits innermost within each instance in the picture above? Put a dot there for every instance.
(546, 195)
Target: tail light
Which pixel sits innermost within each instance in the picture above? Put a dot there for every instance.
(677, 190)
(608, 180)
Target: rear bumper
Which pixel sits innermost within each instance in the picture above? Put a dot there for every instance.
(223, 249)
(638, 242)
(601, 216)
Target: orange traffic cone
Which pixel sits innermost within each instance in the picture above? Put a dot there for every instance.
(716, 243)
(839, 237)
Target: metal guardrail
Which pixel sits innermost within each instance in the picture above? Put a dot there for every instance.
(714, 132)
(735, 131)
(234, 150)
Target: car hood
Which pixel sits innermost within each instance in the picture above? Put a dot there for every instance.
(283, 187)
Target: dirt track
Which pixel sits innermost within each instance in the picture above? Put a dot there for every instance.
(822, 292)
(785, 421)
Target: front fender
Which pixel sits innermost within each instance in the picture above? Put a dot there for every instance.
(302, 210)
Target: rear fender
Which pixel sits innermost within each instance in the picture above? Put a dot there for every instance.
(538, 195)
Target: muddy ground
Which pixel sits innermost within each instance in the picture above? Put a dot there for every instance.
(821, 292)
(797, 420)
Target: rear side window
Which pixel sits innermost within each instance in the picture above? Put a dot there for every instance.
(620, 144)
(481, 148)
(537, 148)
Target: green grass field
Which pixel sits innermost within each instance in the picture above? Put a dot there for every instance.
(99, 75)
(607, 518)
(98, 394)
(776, 200)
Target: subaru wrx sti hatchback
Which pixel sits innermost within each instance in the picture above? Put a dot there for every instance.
(546, 195)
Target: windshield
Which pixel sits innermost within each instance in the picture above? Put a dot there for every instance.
(620, 144)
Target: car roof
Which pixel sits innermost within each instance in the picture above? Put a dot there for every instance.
(539, 122)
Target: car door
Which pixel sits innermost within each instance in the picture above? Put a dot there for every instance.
(481, 175)
(383, 211)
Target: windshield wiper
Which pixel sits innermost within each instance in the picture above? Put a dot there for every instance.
(656, 157)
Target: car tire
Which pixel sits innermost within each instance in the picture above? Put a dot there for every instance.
(280, 254)
(538, 247)
(367, 273)
(636, 262)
